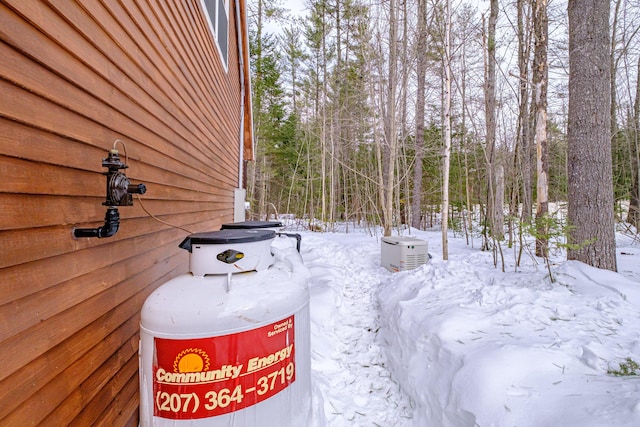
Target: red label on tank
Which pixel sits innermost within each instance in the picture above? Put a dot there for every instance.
(206, 377)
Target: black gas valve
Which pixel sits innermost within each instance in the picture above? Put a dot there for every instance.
(119, 193)
(119, 188)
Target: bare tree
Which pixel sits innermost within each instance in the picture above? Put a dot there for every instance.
(324, 113)
(390, 128)
(490, 112)
(590, 182)
(446, 158)
(540, 82)
(614, 65)
(523, 156)
(421, 70)
(633, 216)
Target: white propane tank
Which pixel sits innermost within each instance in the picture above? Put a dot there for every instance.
(253, 225)
(224, 349)
(262, 225)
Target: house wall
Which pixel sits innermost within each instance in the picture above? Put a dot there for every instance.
(74, 78)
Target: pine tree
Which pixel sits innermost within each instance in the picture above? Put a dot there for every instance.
(590, 209)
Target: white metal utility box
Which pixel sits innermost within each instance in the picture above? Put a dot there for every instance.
(400, 253)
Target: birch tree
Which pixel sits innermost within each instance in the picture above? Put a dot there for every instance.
(540, 81)
(447, 130)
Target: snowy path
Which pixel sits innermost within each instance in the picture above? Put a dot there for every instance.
(471, 345)
(350, 369)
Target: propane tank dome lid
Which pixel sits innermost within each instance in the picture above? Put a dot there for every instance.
(245, 225)
(226, 237)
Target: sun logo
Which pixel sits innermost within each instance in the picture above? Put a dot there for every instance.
(191, 360)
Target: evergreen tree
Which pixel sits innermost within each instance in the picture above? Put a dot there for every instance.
(589, 157)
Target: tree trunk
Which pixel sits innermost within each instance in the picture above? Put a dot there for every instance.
(465, 148)
(390, 123)
(447, 131)
(613, 66)
(524, 152)
(540, 80)
(404, 181)
(490, 112)
(499, 199)
(590, 182)
(421, 71)
(633, 217)
(323, 131)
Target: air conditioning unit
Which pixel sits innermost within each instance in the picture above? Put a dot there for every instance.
(400, 253)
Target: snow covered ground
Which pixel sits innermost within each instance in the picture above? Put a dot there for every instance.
(459, 343)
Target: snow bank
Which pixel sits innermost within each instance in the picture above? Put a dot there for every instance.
(471, 345)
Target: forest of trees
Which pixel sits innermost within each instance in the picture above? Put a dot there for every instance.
(491, 117)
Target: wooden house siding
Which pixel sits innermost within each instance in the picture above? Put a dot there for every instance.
(75, 76)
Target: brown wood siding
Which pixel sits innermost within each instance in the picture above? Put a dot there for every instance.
(75, 76)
